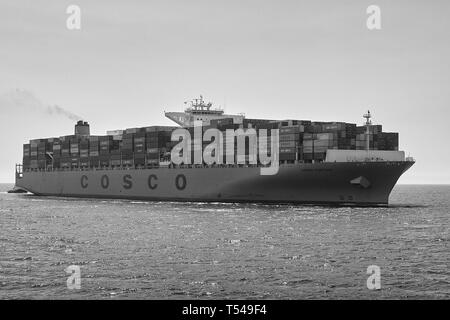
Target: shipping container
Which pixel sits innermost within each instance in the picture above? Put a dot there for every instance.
(152, 162)
(288, 156)
(127, 162)
(114, 132)
(116, 162)
(288, 144)
(139, 161)
(288, 150)
(289, 137)
(292, 129)
(26, 150)
(94, 161)
(153, 155)
(84, 163)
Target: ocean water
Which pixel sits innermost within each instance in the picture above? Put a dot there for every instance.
(157, 250)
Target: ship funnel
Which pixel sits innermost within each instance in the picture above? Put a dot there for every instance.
(82, 129)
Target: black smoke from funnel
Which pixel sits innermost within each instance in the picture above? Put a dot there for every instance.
(61, 111)
(24, 99)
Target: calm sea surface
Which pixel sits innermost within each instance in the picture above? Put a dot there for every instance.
(150, 250)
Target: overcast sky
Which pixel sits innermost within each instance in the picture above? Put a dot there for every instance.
(314, 60)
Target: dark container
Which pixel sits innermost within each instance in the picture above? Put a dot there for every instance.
(104, 162)
(56, 163)
(94, 162)
(127, 156)
(26, 150)
(152, 162)
(289, 137)
(139, 161)
(319, 155)
(65, 162)
(288, 156)
(84, 163)
(153, 155)
(127, 162)
(41, 164)
(290, 130)
(116, 152)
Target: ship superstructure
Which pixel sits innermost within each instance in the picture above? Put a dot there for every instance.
(198, 110)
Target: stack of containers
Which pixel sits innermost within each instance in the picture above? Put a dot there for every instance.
(299, 140)
(315, 145)
(361, 137)
(139, 148)
(309, 152)
(41, 153)
(322, 136)
(291, 139)
(115, 150)
(26, 156)
(49, 149)
(314, 127)
(75, 152)
(94, 151)
(34, 154)
(255, 123)
(346, 133)
(84, 153)
(291, 123)
(57, 153)
(388, 141)
(152, 147)
(127, 147)
(158, 143)
(105, 144)
(65, 152)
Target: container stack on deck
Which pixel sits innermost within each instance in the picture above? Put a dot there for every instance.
(57, 153)
(94, 151)
(33, 155)
(291, 139)
(26, 161)
(105, 146)
(299, 140)
(158, 143)
(321, 136)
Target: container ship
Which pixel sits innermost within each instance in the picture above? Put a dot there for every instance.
(332, 163)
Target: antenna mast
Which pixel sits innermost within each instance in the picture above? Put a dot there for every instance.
(367, 116)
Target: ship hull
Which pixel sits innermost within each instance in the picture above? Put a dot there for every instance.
(319, 183)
